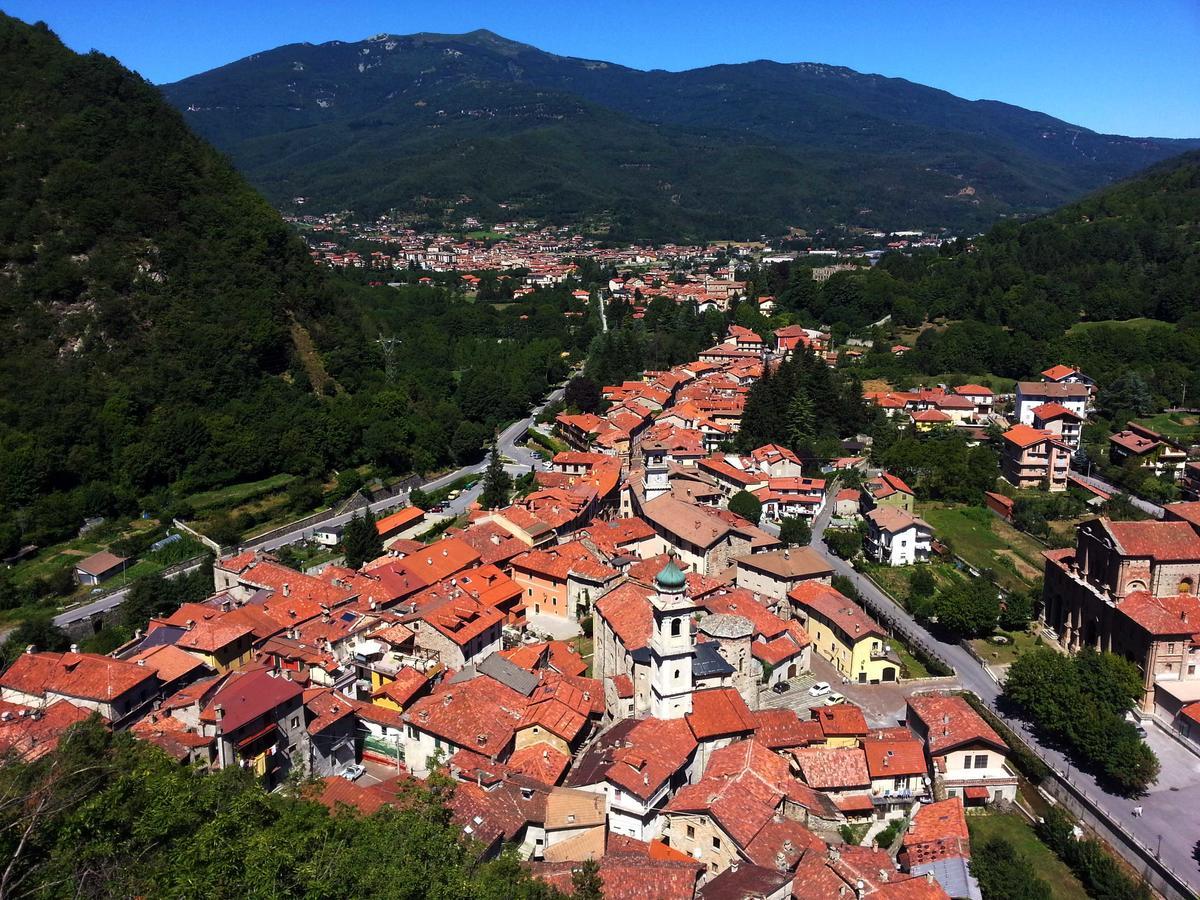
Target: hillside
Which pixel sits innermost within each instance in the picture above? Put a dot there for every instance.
(147, 291)
(421, 122)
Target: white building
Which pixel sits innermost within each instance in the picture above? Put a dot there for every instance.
(896, 537)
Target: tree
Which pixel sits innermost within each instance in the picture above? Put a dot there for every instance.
(795, 531)
(969, 608)
(921, 583)
(1005, 874)
(1017, 610)
(496, 482)
(420, 499)
(801, 421)
(361, 541)
(844, 542)
(746, 505)
(586, 883)
(583, 394)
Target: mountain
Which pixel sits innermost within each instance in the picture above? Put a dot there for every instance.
(433, 123)
(150, 300)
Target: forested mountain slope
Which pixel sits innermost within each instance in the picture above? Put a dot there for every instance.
(421, 122)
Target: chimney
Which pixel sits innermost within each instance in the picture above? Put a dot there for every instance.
(141, 662)
(74, 648)
(287, 589)
(220, 711)
(325, 616)
(373, 605)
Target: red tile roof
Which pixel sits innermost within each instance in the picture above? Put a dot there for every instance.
(85, 676)
(938, 831)
(399, 520)
(1178, 614)
(782, 728)
(835, 607)
(841, 720)
(719, 712)
(541, 762)
(1173, 541)
(249, 694)
(481, 714)
(28, 733)
(950, 722)
(628, 613)
(168, 662)
(833, 768)
(894, 758)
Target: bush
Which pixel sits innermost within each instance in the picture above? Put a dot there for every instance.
(1094, 866)
(795, 531)
(746, 505)
(844, 542)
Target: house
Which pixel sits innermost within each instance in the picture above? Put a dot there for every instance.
(1061, 374)
(899, 771)
(840, 772)
(968, 759)
(118, 690)
(896, 537)
(329, 535)
(480, 715)
(938, 843)
(1129, 588)
(843, 634)
(981, 397)
(28, 733)
(1060, 421)
(99, 567)
(847, 503)
(258, 721)
(638, 764)
(1032, 394)
(332, 731)
(1033, 458)
(562, 581)
(886, 489)
(1148, 450)
(399, 522)
(705, 540)
(842, 725)
(776, 572)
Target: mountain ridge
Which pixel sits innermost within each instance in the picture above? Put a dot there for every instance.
(831, 144)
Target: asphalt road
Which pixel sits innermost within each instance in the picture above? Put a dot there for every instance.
(508, 443)
(1168, 825)
(1145, 506)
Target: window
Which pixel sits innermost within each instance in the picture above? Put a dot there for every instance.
(981, 761)
(676, 625)
(676, 674)
(716, 843)
(295, 721)
(967, 761)
(691, 831)
(1171, 647)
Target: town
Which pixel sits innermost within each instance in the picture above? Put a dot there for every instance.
(663, 656)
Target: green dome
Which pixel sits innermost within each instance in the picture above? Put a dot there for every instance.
(671, 578)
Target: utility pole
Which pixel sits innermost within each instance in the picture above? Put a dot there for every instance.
(388, 346)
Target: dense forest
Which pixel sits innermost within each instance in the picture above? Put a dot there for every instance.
(109, 816)
(446, 126)
(164, 333)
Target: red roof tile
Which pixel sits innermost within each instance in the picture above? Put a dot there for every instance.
(719, 711)
(950, 722)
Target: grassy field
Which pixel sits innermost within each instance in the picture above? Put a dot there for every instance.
(987, 542)
(1013, 828)
(238, 493)
(1003, 654)
(1182, 427)
(1134, 324)
(896, 580)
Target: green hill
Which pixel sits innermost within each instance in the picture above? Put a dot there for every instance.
(428, 123)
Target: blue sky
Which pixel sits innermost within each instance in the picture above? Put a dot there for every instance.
(1122, 67)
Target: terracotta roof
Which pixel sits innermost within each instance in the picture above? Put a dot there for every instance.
(938, 830)
(399, 520)
(972, 390)
(833, 769)
(835, 607)
(1172, 541)
(1177, 614)
(627, 611)
(892, 758)
(168, 662)
(99, 563)
(408, 683)
(789, 564)
(439, 560)
(212, 636)
(326, 707)
(247, 695)
(950, 722)
(1054, 373)
(86, 676)
(717, 712)
(480, 714)
(542, 762)
(1048, 411)
(781, 728)
(572, 808)
(628, 877)
(637, 755)
(30, 734)
(893, 520)
(841, 720)
(1051, 389)
(1025, 436)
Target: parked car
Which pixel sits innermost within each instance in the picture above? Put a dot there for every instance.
(354, 772)
(781, 687)
(820, 689)
(834, 699)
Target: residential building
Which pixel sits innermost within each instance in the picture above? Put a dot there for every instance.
(1032, 394)
(896, 537)
(776, 572)
(1033, 458)
(843, 634)
(968, 759)
(1138, 445)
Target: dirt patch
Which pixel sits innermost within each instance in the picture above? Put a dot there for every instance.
(876, 384)
(314, 367)
(1024, 569)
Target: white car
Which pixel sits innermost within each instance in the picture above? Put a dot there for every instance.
(353, 772)
(820, 689)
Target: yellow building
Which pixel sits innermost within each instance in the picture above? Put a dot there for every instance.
(844, 634)
(223, 647)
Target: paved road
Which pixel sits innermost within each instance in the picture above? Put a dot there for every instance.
(1169, 819)
(1145, 506)
(509, 444)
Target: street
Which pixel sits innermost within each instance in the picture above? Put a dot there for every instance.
(1145, 506)
(1169, 819)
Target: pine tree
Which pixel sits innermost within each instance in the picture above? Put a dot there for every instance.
(586, 883)
(496, 482)
(361, 540)
(801, 421)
